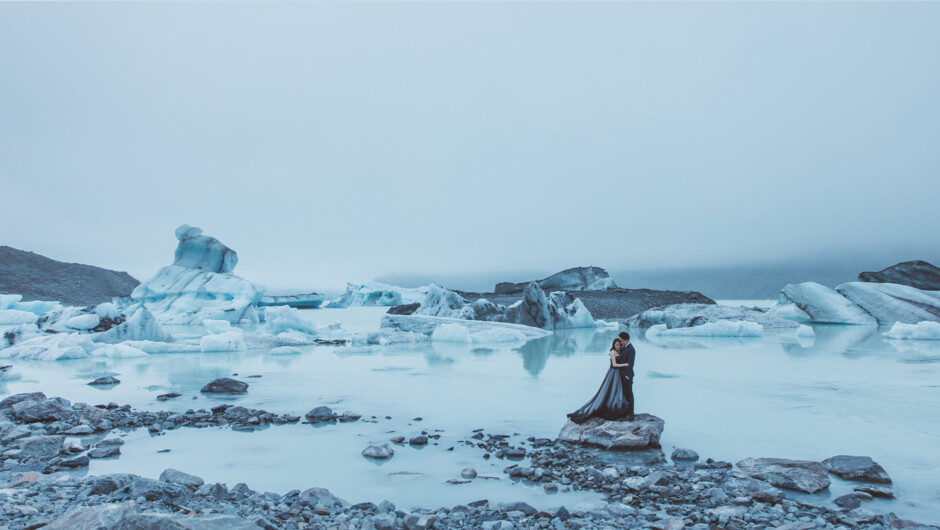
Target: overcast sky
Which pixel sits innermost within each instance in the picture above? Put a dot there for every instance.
(334, 142)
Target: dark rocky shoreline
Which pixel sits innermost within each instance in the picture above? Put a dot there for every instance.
(642, 489)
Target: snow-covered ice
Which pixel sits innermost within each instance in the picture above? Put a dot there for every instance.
(451, 332)
(54, 347)
(233, 340)
(15, 316)
(83, 322)
(718, 328)
(199, 284)
(919, 331)
(811, 302)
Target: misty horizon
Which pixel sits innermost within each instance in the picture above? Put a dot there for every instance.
(330, 143)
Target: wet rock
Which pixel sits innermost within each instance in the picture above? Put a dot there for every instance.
(39, 447)
(178, 477)
(80, 430)
(857, 468)
(47, 410)
(105, 516)
(169, 395)
(225, 385)
(155, 490)
(102, 381)
(104, 451)
(876, 491)
(849, 502)
(684, 455)
(398, 439)
(643, 432)
(798, 475)
(468, 473)
(319, 414)
(419, 440)
(75, 461)
(321, 497)
(107, 484)
(419, 522)
(517, 507)
(349, 416)
(379, 452)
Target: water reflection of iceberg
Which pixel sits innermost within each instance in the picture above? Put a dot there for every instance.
(916, 351)
(563, 343)
(850, 341)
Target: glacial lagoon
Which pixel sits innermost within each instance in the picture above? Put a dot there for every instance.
(848, 391)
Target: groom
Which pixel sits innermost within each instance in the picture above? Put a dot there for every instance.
(627, 372)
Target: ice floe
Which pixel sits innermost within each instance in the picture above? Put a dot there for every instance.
(479, 331)
(719, 328)
(378, 294)
(690, 315)
(919, 331)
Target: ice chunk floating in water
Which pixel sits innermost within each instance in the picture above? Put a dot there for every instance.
(919, 331)
(720, 328)
(377, 294)
(199, 285)
(689, 315)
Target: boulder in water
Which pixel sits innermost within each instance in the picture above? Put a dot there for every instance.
(641, 433)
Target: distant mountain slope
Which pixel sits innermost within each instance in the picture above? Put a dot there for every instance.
(919, 274)
(40, 278)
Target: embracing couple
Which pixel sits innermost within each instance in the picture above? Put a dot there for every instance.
(614, 400)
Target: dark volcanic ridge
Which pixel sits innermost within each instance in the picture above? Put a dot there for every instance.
(918, 274)
(37, 277)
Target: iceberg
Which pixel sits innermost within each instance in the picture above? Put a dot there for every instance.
(139, 324)
(575, 279)
(233, 340)
(54, 347)
(13, 317)
(199, 285)
(690, 315)
(890, 302)
(377, 294)
(811, 302)
(37, 307)
(280, 319)
(451, 332)
(919, 331)
(83, 322)
(555, 311)
(718, 328)
(479, 331)
(300, 301)
(118, 351)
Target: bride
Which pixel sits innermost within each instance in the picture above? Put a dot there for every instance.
(610, 402)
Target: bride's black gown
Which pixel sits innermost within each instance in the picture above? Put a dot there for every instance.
(609, 402)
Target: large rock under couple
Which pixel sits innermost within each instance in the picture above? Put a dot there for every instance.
(641, 433)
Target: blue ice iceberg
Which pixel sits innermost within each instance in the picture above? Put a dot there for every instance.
(199, 285)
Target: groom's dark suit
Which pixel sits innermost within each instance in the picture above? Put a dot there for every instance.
(629, 356)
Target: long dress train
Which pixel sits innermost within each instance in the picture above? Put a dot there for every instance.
(609, 402)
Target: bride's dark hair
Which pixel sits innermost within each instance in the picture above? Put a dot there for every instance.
(613, 346)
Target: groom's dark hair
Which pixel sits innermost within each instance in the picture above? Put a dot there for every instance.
(624, 335)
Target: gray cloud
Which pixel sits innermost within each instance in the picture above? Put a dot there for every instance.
(328, 142)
